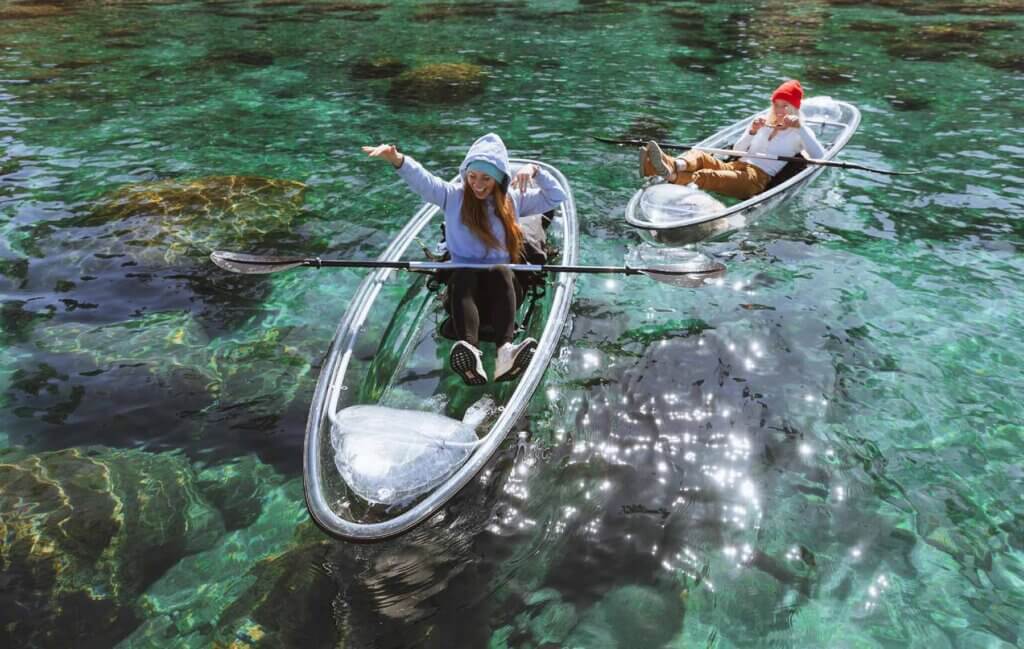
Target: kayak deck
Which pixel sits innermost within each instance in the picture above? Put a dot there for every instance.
(387, 353)
(670, 213)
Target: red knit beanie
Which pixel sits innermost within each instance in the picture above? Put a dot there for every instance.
(789, 91)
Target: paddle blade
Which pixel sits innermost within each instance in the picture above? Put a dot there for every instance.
(238, 262)
(682, 276)
(675, 266)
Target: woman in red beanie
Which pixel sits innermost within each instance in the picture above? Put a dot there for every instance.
(783, 133)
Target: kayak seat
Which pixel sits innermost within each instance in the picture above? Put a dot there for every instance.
(791, 169)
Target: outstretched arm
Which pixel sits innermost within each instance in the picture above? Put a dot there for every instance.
(547, 194)
(426, 185)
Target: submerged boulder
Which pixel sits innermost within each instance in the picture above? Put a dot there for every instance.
(250, 379)
(85, 531)
(383, 67)
(170, 219)
(439, 83)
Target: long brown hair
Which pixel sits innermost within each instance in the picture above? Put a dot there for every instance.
(474, 217)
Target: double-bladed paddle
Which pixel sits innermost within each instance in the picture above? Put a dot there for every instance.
(763, 156)
(677, 274)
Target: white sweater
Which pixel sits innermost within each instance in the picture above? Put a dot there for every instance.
(788, 142)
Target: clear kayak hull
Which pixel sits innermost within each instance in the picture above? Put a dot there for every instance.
(388, 354)
(673, 214)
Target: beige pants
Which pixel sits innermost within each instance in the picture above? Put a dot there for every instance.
(736, 179)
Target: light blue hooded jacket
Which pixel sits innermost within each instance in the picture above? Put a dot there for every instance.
(462, 244)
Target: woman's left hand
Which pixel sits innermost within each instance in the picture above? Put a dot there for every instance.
(790, 121)
(523, 177)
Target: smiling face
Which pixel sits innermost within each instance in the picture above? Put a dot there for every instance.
(481, 184)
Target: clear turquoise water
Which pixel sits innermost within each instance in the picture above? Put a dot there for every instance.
(822, 451)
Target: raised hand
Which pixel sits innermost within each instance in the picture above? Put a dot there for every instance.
(523, 178)
(757, 124)
(388, 152)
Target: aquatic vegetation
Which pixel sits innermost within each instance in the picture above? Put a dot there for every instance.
(86, 531)
(439, 83)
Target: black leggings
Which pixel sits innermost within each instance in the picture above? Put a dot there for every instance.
(492, 291)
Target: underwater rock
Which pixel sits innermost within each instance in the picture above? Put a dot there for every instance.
(1011, 62)
(22, 11)
(289, 604)
(432, 11)
(828, 74)
(648, 127)
(383, 67)
(905, 103)
(253, 58)
(439, 83)
(186, 603)
(258, 371)
(910, 49)
(171, 219)
(629, 616)
(959, 34)
(700, 64)
(872, 26)
(344, 7)
(237, 489)
(85, 531)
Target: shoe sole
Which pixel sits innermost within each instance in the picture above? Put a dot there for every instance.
(464, 363)
(658, 163)
(521, 362)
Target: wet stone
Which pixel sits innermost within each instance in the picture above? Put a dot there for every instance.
(439, 83)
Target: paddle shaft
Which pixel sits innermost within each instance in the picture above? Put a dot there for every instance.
(436, 266)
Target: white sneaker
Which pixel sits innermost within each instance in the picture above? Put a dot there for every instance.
(513, 359)
(468, 362)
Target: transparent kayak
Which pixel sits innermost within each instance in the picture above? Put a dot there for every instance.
(676, 213)
(393, 433)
